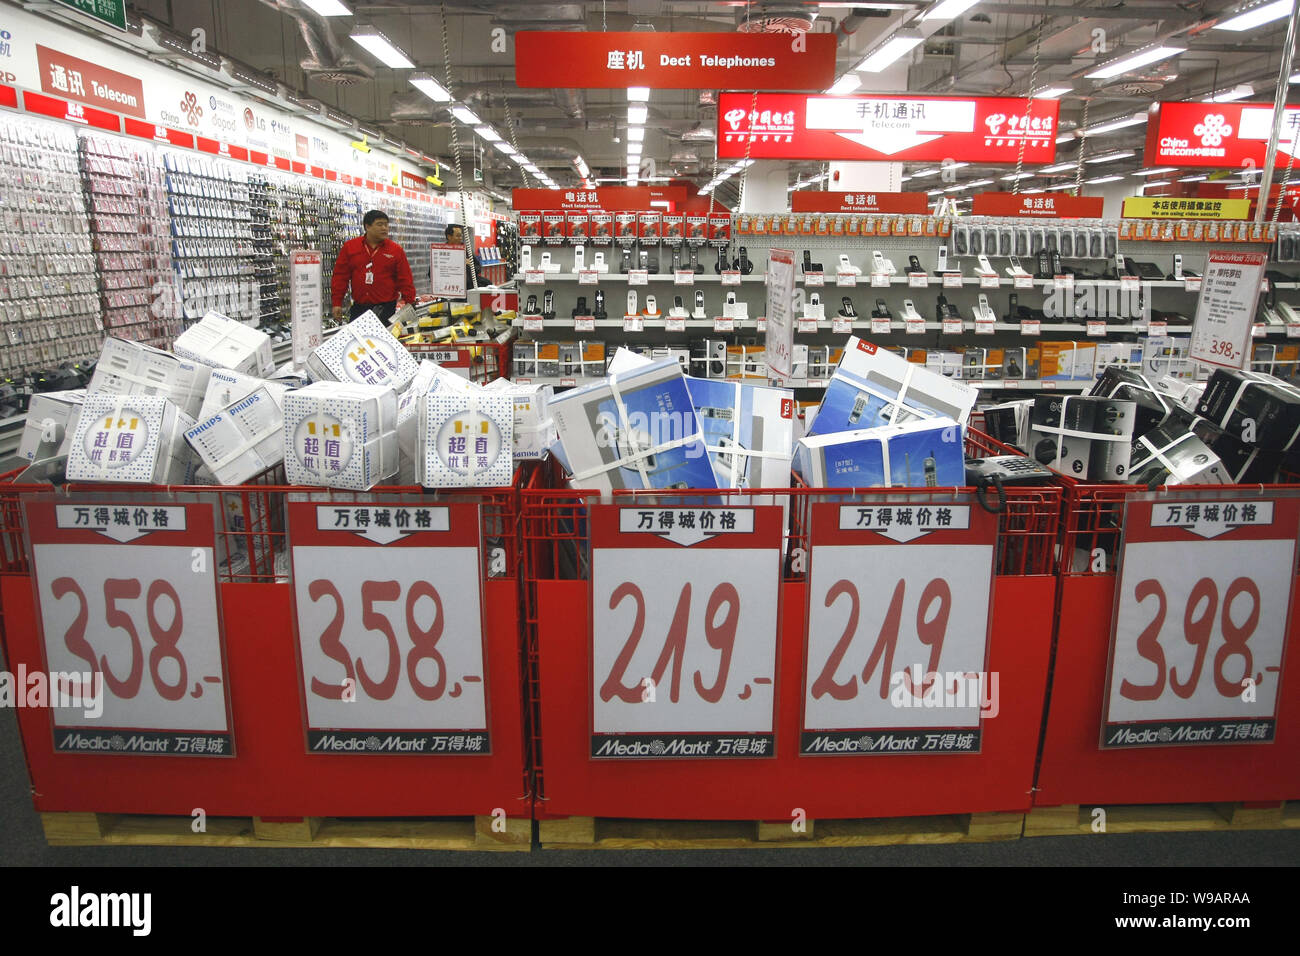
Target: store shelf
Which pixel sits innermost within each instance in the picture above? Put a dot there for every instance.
(864, 281)
(659, 277)
(650, 323)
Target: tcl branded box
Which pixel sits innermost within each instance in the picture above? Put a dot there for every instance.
(243, 441)
(130, 438)
(129, 368)
(749, 431)
(225, 343)
(363, 352)
(51, 418)
(912, 455)
(340, 435)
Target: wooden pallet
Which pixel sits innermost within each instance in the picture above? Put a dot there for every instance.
(1162, 818)
(450, 833)
(599, 833)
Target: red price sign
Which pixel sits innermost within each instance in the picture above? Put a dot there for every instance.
(1202, 606)
(131, 626)
(898, 627)
(685, 605)
(390, 627)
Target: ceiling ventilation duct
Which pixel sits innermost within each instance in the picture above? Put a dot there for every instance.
(413, 108)
(327, 62)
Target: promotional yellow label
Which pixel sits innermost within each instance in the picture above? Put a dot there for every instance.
(1161, 207)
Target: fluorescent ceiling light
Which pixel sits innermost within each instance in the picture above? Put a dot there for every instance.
(638, 94)
(631, 179)
(1132, 61)
(1052, 92)
(1257, 16)
(329, 8)
(520, 158)
(1295, 78)
(1242, 91)
(1111, 157)
(1014, 176)
(506, 148)
(1155, 170)
(1030, 192)
(1060, 186)
(889, 52)
(902, 179)
(1103, 179)
(1058, 168)
(1137, 119)
(935, 192)
(466, 115)
(488, 133)
(948, 9)
(1160, 182)
(380, 47)
(1193, 179)
(430, 88)
(635, 134)
(978, 182)
(1066, 137)
(636, 115)
(954, 189)
(845, 85)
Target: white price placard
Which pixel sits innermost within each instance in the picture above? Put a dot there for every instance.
(847, 280)
(807, 325)
(730, 277)
(306, 303)
(638, 277)
(952, 326)
(1258, 330)
(985, 326)
(841, 325)
(684, 632)
(1064, 283)
(1130, 283)
(675, 324)
(684, 277)
(721, 324)
(1202, 610)
(1155, 329)
(761, 325)
(447, 270)
(1192, 284)
(584, 323)
(534, 277)
(989, 281)
(918, 280)
(588, 277)
(880, 326)
(568, 382)
(879, 280)
(814, 279)
(1023, 282)
(633, 323)
(914, 326)
(898, 630)
(1096, 328)
(534, 323)
(1225, 310)
(1031, 327)
(1293, 331)
(136, 625)
(779, 323)
(952, 280)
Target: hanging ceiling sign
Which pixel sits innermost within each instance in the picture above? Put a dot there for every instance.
(1217, 134)
(859, 202)
(1036, 206)
(898, 128)
(674, 61)
(614, 197)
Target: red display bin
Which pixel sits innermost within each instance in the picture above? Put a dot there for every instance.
(1075, 769)
(271, 773)
(559, 529)
(480, 362)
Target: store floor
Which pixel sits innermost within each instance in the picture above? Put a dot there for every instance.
(22, 843)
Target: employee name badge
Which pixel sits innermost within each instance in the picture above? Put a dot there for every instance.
(370, 275)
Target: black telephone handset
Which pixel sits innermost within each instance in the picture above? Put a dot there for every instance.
(1045, 265)
(915, 264)
(1001, 471)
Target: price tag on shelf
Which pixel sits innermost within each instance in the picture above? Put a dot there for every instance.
(761, 325)
(1096, 328)
(730, 277)
(1065, 283)
(1023, 282)
(1047, 386)
(914, 326)
(807, 325)
(985, 326)
(533, 323)
(1031, 327)
(684, 277)
(918, 280)
(721, 324)
(814, 279)
(1155, 328)
(523, 381)
(879, 280)
(1199, 634)
(391, 662)
(952, 280)
(818, 382)
(534, 277)
(588, 277)
(634, 323)
(880, 326)
(1258, 331)
(841, 325)
(989, 281)
(127, 604)
(952, 326)
(568, 382)
(1293, 331)
(1263, 284)
(583, 323)
(697, 586)
(1192, 284)
(886, 571)
(675, 324)
(847, 280)
(1130, 283)
(638, 277)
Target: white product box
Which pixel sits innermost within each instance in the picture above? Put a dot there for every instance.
(945, 363)
(912, 455)
(625, 360)
(466, 441)
(1008, 422)
(1185, 393)
(224, 343)
(340, 435)
(1121, 354)
(365, 353)
(429, 378)
(242, 441)
(51, 416)
(131, 438)
(226, 387)
(749, 431)
(129, 368)
(534, 429)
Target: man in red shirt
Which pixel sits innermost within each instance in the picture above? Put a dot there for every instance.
(377, 270)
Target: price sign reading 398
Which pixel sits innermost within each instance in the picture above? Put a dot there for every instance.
(1201, 610)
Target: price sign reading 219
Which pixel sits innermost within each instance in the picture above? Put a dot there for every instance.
(684, 625)
(390, 627)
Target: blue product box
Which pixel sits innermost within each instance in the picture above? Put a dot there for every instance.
(914, 455)
(749, 431)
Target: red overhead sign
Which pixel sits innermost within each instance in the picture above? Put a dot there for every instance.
(674, 61)
(1036, 206)
(628, 198)
(899, 128)
(90, 83)
(71, 112)
(864, 201)
(1216, 134)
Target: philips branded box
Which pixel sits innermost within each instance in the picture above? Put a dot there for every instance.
(129, 368)
(226, 387)
(242, 441)
(224, 343)
(913, 455)
(340, 435)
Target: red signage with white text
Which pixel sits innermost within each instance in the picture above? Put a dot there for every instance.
(674, 61)
(59, 109)
(881, 127)
(90, 83)
(1036, 206)
(1216, 134)
(614, 197)
(859, 202)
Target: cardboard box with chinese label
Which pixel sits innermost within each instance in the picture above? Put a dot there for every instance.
(130, 438)
(363, 352)
(242, 441)
(51, 418)
(749, 431)
(340, 435)
(225, 343)
(129, 368)
(429, 377)
(916, 454)
(465, 441)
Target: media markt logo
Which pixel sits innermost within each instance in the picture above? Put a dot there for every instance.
(1212, 129)
(191, 108)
